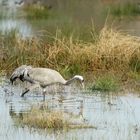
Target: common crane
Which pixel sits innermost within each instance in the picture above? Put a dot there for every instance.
(42, 77)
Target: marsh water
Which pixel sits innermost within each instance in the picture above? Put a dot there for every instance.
(113, 116)
(77, 17)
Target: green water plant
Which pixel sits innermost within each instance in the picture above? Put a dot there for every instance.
(126, 9)
(106, 83)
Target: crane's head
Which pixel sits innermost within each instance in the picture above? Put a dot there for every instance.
(19, 73)
(81, 79)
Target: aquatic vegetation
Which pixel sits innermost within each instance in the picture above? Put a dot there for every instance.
(48, 119)
(5, 14)
(134, 75)
(36, 11)
(41, 119)
(135, 63)
(106, 83)
(2, 15)
(126, 9)
(111, 51)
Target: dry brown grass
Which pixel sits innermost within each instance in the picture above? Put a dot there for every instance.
(49, 119)
(116, 50)
(45, 119)
(112, 51)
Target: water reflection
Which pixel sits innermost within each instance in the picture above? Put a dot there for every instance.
(115, 116)
(24, 29)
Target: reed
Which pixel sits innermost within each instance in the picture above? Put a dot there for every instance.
(111, 51)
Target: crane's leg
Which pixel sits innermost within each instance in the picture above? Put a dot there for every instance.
(29, 89)
(44, 92)
(22, 95)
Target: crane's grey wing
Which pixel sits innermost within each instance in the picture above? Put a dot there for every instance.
(28, 79)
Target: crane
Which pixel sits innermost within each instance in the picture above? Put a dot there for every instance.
(42, 77)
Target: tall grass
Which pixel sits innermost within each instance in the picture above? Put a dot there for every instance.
(112, 51)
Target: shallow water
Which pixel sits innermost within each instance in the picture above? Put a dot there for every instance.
(75, 17)
(114, 116)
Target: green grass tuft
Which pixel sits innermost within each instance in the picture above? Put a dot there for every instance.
(106, 83)
(135, 62)
(127, 9)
